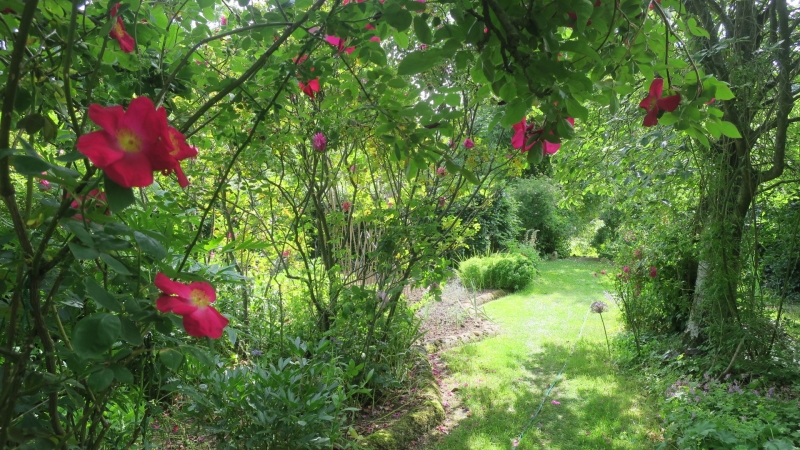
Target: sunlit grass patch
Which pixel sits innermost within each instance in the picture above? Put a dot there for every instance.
(502, 380)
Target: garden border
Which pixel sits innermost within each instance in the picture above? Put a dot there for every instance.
(430, 411)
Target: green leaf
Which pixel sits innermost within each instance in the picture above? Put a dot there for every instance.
(576, 110)
(696, 30)
(729, 129)
(583, 10)
(400, 38)
(723, 92)
(535, 154)
(469, 176)
(118, 197)
(232, 335)
(171, 358)
(130, 332)
(30, 165)
(508, 92)
(582, 48)
(515, 112)
(713, 129)
(100, 380)
(418, 62)
(668, 119)
(400, 19)
(698, 134)
(422, 31)
(397, 83)
(78, 229)
(565, 129)
(199, 354)
(101, 296)
(31, 123)
(150, 246)
(122, 374)
(114, 264)
(82, 253)
(95, 334)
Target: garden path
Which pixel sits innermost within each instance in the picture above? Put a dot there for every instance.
(492, 388)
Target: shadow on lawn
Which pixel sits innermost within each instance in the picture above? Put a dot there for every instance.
(598, 409)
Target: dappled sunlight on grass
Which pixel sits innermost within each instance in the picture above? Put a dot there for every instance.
(502, 380)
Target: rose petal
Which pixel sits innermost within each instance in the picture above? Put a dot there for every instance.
(669, 103)
(108, 118)
(133, 170)
(651, 118)
(167, 286)
(100, 147)
(656, 87)
(205, 322)
(177, 305)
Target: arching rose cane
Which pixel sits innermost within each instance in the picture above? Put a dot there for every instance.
(193, 302)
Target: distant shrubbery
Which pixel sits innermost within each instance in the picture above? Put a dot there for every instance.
(537, 209)
(501, 271)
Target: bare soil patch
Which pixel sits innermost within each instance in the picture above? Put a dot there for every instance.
(459, 314)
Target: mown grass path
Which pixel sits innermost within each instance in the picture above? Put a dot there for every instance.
(503, 379)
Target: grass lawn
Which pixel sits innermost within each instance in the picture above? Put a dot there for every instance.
(505, 377)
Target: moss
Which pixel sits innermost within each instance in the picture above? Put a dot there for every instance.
(428, 413)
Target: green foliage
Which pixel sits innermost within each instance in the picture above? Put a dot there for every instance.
(264, 221)
(298, 402)
(730, 415)
(605, 238)
(507, 271)
(538, 209)
(779, 250)
(498, 221)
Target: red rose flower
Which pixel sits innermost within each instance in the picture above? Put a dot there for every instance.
(126, 42)
(192, 302)
(654, 104)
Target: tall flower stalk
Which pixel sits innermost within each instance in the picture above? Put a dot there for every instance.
(600, 308)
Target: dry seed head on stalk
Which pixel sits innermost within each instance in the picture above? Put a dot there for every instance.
(599, 307)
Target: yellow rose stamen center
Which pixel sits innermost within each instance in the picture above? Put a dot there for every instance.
(118, 30)
(199, 298)
(129, 141)
(175, 145)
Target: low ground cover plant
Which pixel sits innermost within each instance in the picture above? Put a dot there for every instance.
(729, 414)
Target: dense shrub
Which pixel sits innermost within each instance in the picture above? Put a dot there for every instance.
(605, 238)
(501, 271)
(498, 224)
(538, 209)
